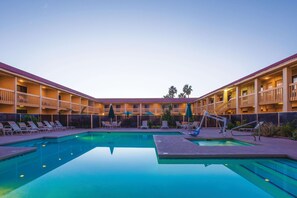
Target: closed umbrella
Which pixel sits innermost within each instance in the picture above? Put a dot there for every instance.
(111, 113)
(148, 113)
(189, 113)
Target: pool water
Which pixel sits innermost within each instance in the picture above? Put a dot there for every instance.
(126, 165)
(224, 142)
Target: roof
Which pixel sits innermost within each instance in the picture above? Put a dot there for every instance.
(145, 100)
(30, 76)
(274, 65)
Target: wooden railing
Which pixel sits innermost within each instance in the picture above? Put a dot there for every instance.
(29, 100)
(271, 96)
(6, 96)
(64, 105)
(210, 108)
(75, 107)
(247, 100)
(293, 92)
(232, 103)
(49, 103)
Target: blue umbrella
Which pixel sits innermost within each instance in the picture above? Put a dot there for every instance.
(148, 113)
(127, 113)
(189, 112)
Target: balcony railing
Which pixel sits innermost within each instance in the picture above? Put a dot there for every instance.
(49, 103)
(293, 92)
(75, 107)
(247, 100)
(210, 107)
(28, 100)
(6, 96)
(232, 103)
(64, 105)
(271, 96)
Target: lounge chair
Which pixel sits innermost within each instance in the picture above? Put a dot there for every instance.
(17, 129)
(57, 126)
(164, 125)
(115, 124)
(42, 125)
(106, 124)
(5, 130)
(48, 125)
(24, 127)
(194, 125)
(34, 127)
(60, 125)
(144, 125)
(178, 124)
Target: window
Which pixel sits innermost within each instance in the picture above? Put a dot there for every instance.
(60, 97)
(135, 106)
(106, 106)
(147, 106)
(22, 89)
(278, 83)
(294, 79)
(244, 92)
(118, 106)
(175, 106)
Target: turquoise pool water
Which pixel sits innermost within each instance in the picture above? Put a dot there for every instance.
(126, 165)
(226, 142)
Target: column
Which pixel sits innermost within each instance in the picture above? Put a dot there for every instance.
(256, 98)
(237, 100)
(287, 79)
(15, 94)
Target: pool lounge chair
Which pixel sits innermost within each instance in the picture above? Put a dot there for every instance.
(5, 130)
(41, 125)
(115, 124)
(61, 125)
(48, 125)
(106, 124)
(178, 124)
(144, 125)
(24, 127)
(34, 127)
(57, 126)
(164, 125)
(17, 129)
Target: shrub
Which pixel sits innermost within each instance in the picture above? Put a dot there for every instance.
(268, 129)
(294, 135)
(287, 129)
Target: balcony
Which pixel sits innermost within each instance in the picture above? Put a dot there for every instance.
(49, 103)
(64, 105)
(293, 92)
(271, 96)
(27, 100)
(6, 96)
(232, 103)
(210, 108)
(75, 107)
(247, 100)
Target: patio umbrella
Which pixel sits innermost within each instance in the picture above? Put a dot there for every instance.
(127, 113)
(148, 113)
(111, 113)
(189, 112)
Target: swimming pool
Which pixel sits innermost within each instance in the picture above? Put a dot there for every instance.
(221, 142)
(126, 165)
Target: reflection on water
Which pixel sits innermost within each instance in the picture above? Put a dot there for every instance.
(125, 165)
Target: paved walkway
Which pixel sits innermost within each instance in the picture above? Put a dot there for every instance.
(174, 146)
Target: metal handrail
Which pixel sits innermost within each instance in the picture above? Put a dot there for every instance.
(256, 128)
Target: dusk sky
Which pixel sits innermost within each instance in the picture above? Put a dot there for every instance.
(140, 48)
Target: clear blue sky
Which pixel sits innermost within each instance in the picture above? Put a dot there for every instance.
(140, 48)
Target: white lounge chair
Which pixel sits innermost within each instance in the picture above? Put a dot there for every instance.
(5, 130)
(115, 124)
(164, 125)
(34, 127)
(106, 124)
(17, 129)
(144, 125)
(24, 127)
(178, 124)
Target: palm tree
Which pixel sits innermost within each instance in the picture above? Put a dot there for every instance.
(187, 90)
(172, 91)
(182, 95)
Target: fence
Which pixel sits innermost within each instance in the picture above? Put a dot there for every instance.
(95, 121)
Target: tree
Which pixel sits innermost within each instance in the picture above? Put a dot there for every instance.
(187, 90)
(171, 92)
(182, 95)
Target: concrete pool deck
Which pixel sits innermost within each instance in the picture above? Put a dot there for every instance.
(178, 146)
